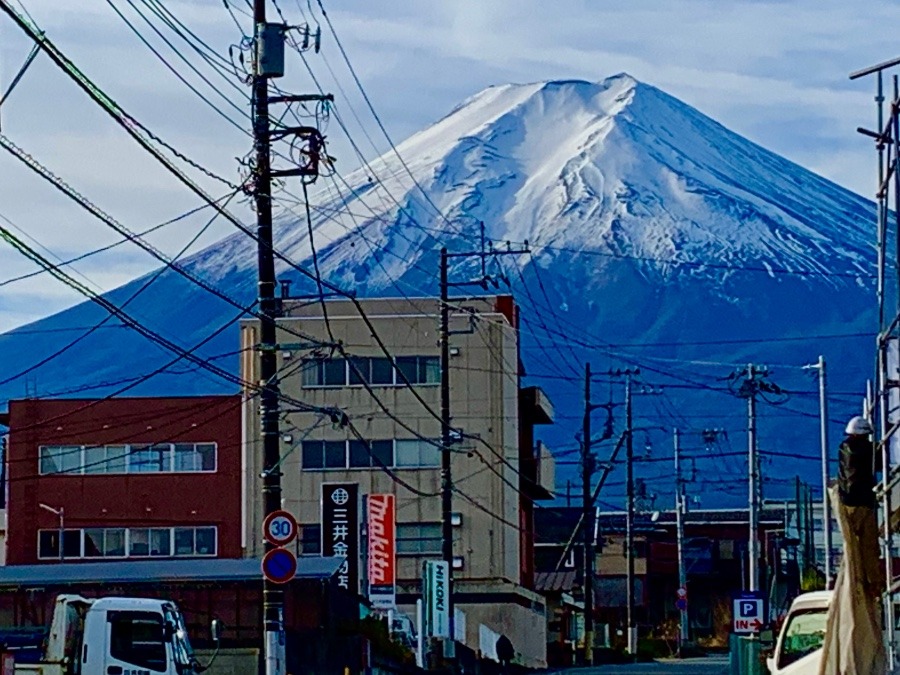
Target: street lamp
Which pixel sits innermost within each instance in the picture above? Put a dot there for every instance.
(61, 514)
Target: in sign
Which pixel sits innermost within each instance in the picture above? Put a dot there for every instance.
(748, 613)
(280, 528)
(279, 565)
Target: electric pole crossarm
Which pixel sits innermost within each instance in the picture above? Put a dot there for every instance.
(302, 98)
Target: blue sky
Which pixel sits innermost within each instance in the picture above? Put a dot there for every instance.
(775, 72)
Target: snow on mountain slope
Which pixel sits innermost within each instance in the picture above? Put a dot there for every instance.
(649, 223)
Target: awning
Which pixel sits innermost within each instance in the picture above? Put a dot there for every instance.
(156, 571)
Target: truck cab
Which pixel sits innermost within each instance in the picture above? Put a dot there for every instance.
(799, 647)
(115, 636)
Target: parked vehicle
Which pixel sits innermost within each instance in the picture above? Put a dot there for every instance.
(799, 647)
(115, 636)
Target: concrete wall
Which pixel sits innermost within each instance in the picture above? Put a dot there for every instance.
(484, 380)
(230, 661)
(611, 561)
(484, 400)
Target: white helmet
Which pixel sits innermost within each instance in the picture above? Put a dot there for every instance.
(858, 426)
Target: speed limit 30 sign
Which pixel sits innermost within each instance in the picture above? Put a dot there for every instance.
(280, 528)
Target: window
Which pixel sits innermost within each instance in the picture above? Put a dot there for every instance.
(325, 373)
(368, 370)
(114, 543)
(104, 543)
(48, 544)
(195, 457)
(357, 454)
(195, 541)
(139, 545)
(161, 542)
(140, 458)
(149, 459)
(417, 453)
(117, 458)
(324, 454)
(71, 543)
(373, 453)
(371, 370)
(137, 638)
(60, 458)
(419, 369)
(804, 634)
(335, 454)
(184, 541)
(205, 541)
(135, 542)
(382, 371)
(418, 538)
(95, 460)
(310, 540)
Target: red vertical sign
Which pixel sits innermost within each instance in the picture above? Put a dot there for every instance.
(382, 562)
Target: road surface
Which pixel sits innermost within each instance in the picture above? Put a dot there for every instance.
(713, 665)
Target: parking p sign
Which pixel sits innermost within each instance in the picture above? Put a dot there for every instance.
(748, 613)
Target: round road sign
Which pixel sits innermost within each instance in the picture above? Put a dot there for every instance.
(279, 565)
(280, 528)
(681, 604)
(681, 593)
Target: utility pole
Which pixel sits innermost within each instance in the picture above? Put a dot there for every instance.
(628, 374)
(753, 506)
(447, 435)
(629, 519)
(587, 503)
(679, 526)
(268, 63)
(446, 478)
(266, 43)
(748, 383)
(823, 439)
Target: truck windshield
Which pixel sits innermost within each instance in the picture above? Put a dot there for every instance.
(803, 635)
(181, 646)
(136, 638)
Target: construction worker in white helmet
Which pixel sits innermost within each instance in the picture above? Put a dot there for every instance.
(853, 642)
(857, 464)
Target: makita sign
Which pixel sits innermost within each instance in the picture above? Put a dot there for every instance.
(382, 558)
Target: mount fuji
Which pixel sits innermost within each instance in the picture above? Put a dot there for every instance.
(659, 239)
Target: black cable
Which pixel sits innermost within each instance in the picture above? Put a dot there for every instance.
(153, 277)
(103, 249)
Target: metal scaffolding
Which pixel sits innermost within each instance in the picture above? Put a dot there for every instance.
(885, 407)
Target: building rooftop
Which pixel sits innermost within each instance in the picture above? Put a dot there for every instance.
(554, 525)
(550, 582)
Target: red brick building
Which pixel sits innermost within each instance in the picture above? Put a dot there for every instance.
(127, 478)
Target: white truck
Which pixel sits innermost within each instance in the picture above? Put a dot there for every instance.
(116, 636)
(799, 647)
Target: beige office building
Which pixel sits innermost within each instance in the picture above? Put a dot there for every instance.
(498, 468)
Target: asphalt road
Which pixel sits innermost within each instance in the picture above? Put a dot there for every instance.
(714, 665)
